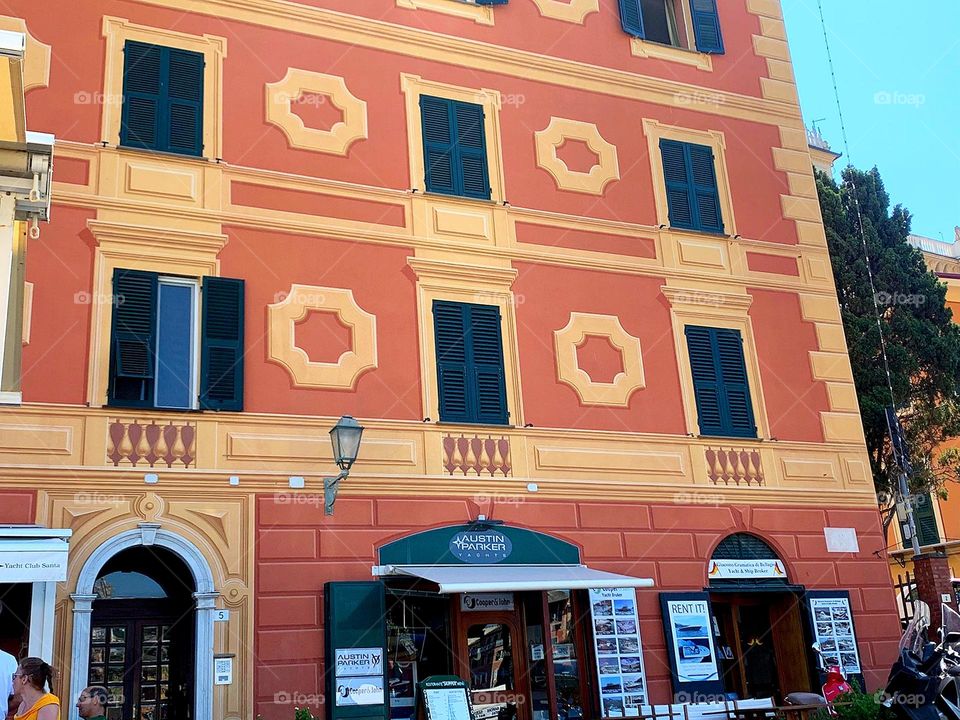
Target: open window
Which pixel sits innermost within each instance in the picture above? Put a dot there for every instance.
(685, 24)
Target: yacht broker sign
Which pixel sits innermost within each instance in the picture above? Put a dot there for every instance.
(27, 566)
(481, 547)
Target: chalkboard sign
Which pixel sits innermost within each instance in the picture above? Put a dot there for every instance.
(445, 697)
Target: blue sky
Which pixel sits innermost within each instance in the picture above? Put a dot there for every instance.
(898, 70)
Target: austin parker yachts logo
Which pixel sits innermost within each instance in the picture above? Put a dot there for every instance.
(480, 547)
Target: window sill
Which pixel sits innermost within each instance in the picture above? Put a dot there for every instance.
(647, 49)
(731, 438)
(433, 195)
(694, 231)
(162, 154)
(453, 423)
(480, 14)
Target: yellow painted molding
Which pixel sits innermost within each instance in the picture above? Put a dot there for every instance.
(36, 61)
(647, 49)
(118, 31)
(281, 96)
(480, 14)
(833, 366)
(283, 317)
(568, 339)
(767, 8)
(657, 131)
(163, 249)
(603, 172)
(413, 86)
(842, 397)
(572, 11)
(439, 279)
(819, 308)
(842, 427)
(27, 311)
(712, 305)
(470, 54)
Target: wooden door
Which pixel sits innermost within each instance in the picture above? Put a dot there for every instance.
(492, 659)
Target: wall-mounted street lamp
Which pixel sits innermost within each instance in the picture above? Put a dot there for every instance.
(345, 436)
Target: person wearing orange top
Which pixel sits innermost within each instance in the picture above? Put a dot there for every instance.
(32, 675)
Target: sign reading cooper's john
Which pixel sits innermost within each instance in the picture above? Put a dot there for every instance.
(360, 691)
(480, 547)
(356, 662)
(745, 569)
(478, 602)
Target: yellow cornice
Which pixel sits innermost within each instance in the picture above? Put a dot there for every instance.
(471, 54)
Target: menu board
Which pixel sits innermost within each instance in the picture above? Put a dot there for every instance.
(833, 626)
(616, 637)
(445, 698)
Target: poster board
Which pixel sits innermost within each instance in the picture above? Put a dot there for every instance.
(831, 621)
(445, 697)
(688, 630)
(619, 653)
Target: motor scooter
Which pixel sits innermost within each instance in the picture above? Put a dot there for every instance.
(913, 687)
(835, 685)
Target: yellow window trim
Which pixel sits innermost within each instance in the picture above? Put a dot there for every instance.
(440, 279)
(655, 131)
(711, 305)
(118, 31)
(413, 86)
(480, 14)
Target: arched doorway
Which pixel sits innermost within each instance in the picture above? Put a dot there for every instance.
(142, 635)
(193, 569)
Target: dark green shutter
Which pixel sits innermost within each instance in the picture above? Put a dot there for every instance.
(185, 102)
(162, 99)
(471, 150)
(706, 26)
(454, 147)
(487, 349)
(492, 2)
(449, 324)
(221, 365)
(925, 519)
(142, 103)
(631, 18)
(133, 338)
(355, 616)
(470, 370)
(690, 177)
(720, 382)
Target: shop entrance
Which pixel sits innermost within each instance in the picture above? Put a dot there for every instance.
(493, 661)
(142, 635)
(15, 618)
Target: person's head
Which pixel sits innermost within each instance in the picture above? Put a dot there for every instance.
(93, 702)
(33, 673)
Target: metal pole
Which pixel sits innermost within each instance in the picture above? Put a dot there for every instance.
(908, 502)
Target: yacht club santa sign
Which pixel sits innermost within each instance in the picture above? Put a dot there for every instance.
(746, 569)
(481, 547)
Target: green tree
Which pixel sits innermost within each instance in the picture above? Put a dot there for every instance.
(922, 341)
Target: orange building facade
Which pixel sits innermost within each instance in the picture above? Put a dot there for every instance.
(618, 224)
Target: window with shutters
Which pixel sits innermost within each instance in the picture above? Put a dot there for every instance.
(693, 198)
(454, 147)
(171, 86)
(925, 519)
(454, 141)
(686, 24)
(470, 368)
(720, 383)
(176, 342)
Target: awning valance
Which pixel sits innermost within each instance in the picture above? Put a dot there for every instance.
(449, 579)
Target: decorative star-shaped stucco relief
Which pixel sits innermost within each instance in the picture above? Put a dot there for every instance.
(337, 140)
(626, 382)
(283, 317)
(605, 171)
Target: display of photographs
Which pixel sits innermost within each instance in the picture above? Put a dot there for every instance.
(603, 607)
(619, 659)
(693, 652)
(603, 627)
(609, 666)
(605, 646)
(834, 630)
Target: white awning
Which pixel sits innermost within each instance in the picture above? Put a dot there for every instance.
(451, 579)
(33, 554)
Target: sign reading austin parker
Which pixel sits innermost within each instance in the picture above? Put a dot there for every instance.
(692, 641)
(616, 637)
(481, 547)
(359, 676)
